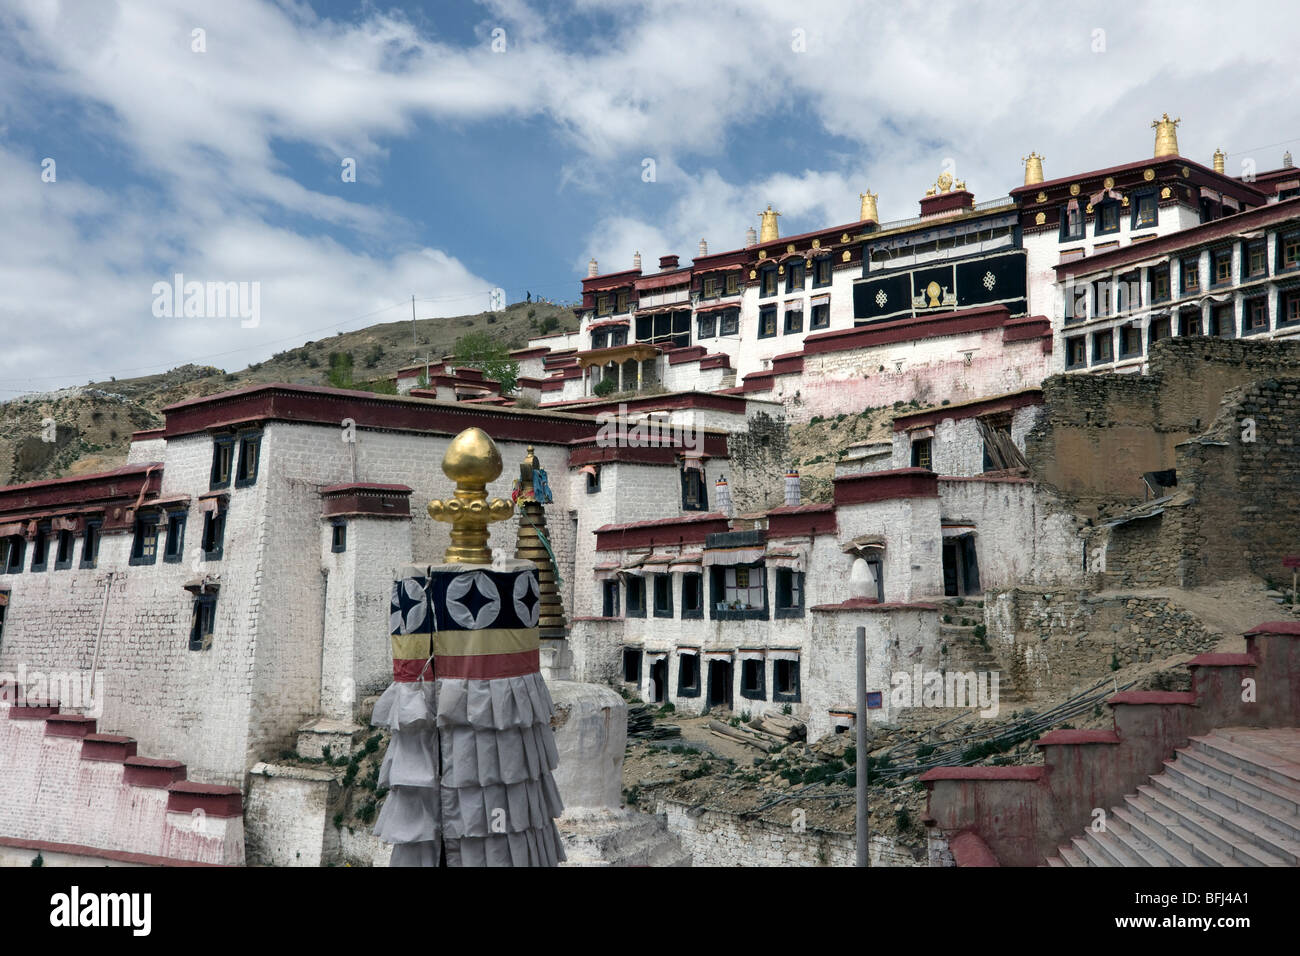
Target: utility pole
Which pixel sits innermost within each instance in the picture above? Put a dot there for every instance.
(860, 722)
(413, 341)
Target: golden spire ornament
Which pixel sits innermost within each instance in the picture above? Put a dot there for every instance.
(1166, 136)
(768, 231)
(868, 212)
(471, 461)
(532, 491)
(1033, 169)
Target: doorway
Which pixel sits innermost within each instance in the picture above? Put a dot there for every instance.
(720, 684)
(659, 681)
(961, 570)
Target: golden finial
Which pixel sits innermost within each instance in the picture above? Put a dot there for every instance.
(1220, 158)
(1166, 136)
(868, 212)
(768, 231)
(1033, 169)
(472, 460)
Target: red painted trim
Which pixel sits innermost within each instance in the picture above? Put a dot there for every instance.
(958, 200)
(117, 856)
(645, 534)
(69, 725)
(145, 434)
(1026, 329)
(590, 453)
(107, 747)
(82, 491)
(532, 352)
(716, 360)
(1222, 660)
(692, 353)
(609, 280)
(186, 796)
(1289, 628)
(969, 850)
(668, 401)
(488, 666)
(32, 712)
(907, 330)
(933, 416)
(812, 519)
(1165, 167)
(885, 486)
(787, 364)
(409, 670)
(152, 772)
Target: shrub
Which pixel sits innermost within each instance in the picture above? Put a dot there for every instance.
(605, 386)
(980, 631)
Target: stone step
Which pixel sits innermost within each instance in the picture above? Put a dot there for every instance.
(1072, 857)
(1233, 832)
(1055, 861)
(1142, 844)
(1215, 794)
(1112, 848)
(1092, 855)
(1134, 815)
(1248, 760)
(1258, 789)
(1173, 821)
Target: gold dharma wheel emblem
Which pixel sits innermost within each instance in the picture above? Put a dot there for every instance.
(1042, 197)
(1040, 218)
(1074, 189)
(1108, 182)
(1150, 174)
(845, 257)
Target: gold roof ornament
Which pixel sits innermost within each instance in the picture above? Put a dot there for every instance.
(768, 230)
(1033, 169)
(1220, 160)
(1166, 136)
(868, 211)
(471, 461)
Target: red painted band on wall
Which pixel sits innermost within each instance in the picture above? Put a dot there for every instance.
(488, 666)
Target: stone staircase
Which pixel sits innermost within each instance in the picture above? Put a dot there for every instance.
(1229, 798)
(619, 838)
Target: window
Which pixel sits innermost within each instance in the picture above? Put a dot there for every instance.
(4, 608)
(1289, 309)
(631, 665)
(593, 479)
(1128, 292)
(600, 339)
(1145, 211)
(90, 544)
(688, 675)
(739, 592)
(1222, 259)
(214, 533)
(1191, 269)
(1257, 315)
(712, 287)
(921, 453)
(203, 622)
(1159, 329)
(1130, 341)
(1160, 284)
(733, 283)
(706, 325)
(618, 337)
(729, 324)
(635, 587)
(609, 598)
(1254, 259)
(794, 273)
(144, 544)
(1076, 301)
(663, 595)
(604, 304)
(250, 446)
(694, 495)
(821, 316)
(767, 322)
(1103, 347)
(1107, 219)
(1101, 297)
(223, 453)
(1289, 251)
(789, 593)
(998, 438)
(338, 537)
(15, 551)
(1071, 223)
(174, 549)
(822, 271)
(785, 681)
(623, 302)
(767, 282)
(1189, 322)
(692, 595)
(41, 548)
(63, 556)
(1223, 321)
(752, 685)
(1076, 352)
(793, 319)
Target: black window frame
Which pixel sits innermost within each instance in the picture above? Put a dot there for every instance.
(1248, 249)
(729, 323)
(1248, 311)
(1108, 336)
(694, 688)
(174, 546)
(1124, 332)
(214, 533)
(91, 536)
(248, 439)
(204, 613)
(768, 286)
(794, 586)
(795, 277)
(634, 587)
(718, 591)
(227, 444)
(693, 478)
(757, 690)
(140, 535)
(61, 563)
(4, 610)
(593, 480)
(1194, 262)
(15, 555)
(41, 549)
(604, 304)
(1191, 322)
(1148, 200)
(1217, 317)
(821, 263)
(1101, 299)
(922, 450)
(790, 326)
(821, 316)
(1128, 292)
(786, 696)
(1217, 258)
(692, 579)
(1159, 328)
(732, 284)
(1080, 226)
(338, 536)
(1081, 343)
(706, 325)
(1284, 300)
(609, 597)
(1154, 294)
(663, 595)
(1100, 214)
(629, 654)
(767, 322)
(1283, 239)
(705, 282)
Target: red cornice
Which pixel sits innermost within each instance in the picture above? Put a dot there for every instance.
(885, 486)
(907, 330)
(85, 492)
(655, 403)
(1165, 166)
(989, 406)
(788, 521)
(1183, 239)
(664, 531)
(590, 452)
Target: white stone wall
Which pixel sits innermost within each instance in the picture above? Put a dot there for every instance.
(145, 451)
(957, 447)
(715, 838)
(913, 555)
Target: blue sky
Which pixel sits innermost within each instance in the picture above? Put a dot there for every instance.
(479, 168)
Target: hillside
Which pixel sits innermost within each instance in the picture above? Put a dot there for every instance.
(88, 428)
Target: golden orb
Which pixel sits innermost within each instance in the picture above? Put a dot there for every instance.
(472, 458)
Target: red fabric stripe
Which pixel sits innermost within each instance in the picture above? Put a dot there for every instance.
(489, 666)
(404, 672)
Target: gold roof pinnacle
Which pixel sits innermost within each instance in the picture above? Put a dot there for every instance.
(1166, 136)
(768, 230)
(1033, 169)
(472, 460)
(868, 212)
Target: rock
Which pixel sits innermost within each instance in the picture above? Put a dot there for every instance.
(672, 763)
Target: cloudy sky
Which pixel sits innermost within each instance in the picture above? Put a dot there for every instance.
(502, 143)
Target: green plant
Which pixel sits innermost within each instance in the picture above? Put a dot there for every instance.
(734, 722)
(980, 631)
(38, 860)
(786, 710)
(947, 619)
(668, 708)
(1114, 662)
(924, 750)
(606, 386)
(340, 373)
(373, 355)
(489, 355)
(745, 717)
(960, 602)
(338, 821)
